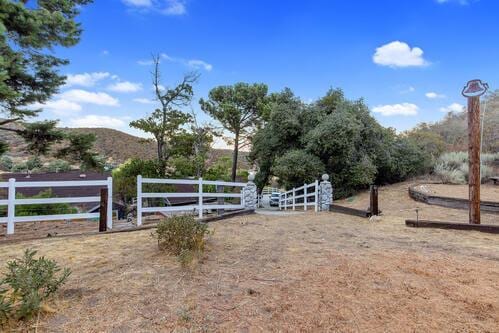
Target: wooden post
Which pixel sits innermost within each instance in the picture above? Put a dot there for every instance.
(373, 203)
(472, 91)
(103, 209)
(474, 158)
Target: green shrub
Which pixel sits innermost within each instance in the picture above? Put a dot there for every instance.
(27, 284)
(181, 236)
(58, 166)
(452, 168)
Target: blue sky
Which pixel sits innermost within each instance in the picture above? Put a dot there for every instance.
(408, 59)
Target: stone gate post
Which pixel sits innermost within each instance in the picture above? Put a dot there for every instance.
(325, 193)
(250, 193)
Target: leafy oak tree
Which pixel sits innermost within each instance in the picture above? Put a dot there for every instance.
(28, 70)
(240, 109)
(166, 123)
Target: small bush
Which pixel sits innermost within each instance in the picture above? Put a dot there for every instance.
(181, 236)
(452, 168)
(27, 284)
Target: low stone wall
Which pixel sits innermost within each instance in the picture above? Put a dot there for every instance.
(486, 206)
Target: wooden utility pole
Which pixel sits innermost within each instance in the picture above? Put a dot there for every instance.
(472, 91)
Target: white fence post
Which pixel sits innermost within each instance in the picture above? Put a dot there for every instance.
(316, 196)
(11, 208)
(294, 200)
(305, 197)
(200, 191)
(286, 201)
(139, 200)
(109, 218)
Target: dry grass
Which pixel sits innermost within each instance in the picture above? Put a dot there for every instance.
(305, 272)
(488, 192)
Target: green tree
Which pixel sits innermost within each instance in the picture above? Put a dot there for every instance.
(28, 70)
(297, 167)
(166, 122)
(79, 150)
(125, 177)
(240, 109)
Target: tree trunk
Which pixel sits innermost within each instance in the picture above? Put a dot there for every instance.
(234, 157)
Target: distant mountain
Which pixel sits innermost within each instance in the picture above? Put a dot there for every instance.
(115, 145)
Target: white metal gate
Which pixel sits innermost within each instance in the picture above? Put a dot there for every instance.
(199, 197)
(303, 196)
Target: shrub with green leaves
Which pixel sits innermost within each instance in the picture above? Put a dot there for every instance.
(181, 236)
(452, 168)
(28, 282)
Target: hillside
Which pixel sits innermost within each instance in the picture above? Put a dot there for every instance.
(453, 129)
(115, 145)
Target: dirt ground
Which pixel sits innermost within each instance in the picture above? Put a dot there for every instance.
(307, 272)
(488, 192)
(395, 202)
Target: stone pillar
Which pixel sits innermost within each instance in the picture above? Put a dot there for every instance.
(250, 193)
(325, 193)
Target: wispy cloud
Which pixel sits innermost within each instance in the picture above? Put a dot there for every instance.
(60, 107)
(460, 2)
(454, 107)
(125, 87)
(83, 96)
(191, 63)
(165, 7)
(85, 79)
(144, 101)
(93, 121)
(399, 54)
(434, 95)
(404, 109)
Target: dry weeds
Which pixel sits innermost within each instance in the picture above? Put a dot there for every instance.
(306, 272)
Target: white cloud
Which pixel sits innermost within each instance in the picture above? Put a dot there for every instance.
(408, 90)
(404, 109)
(461, 2)
(60, 107)
(105, 52)
(165, 7)
(85, 79)
(138, 3)
(192, 63)
(174, 7)
(434, 95)
(145, 62)
(93, 120)
(83, 96)
(125, 86)
(144, 101)
(197, 64)
(454, 107)
(399, 54)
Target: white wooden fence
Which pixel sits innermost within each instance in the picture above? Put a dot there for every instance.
(198, 196)
(291, 199)
(11, 202)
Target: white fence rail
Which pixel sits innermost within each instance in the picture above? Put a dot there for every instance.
(303, 196)
(11, 202)
(198, 196)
